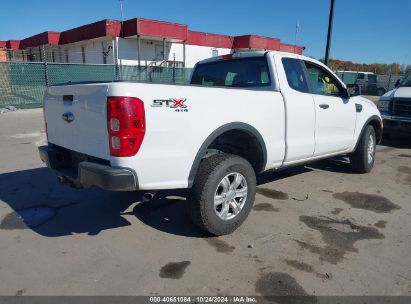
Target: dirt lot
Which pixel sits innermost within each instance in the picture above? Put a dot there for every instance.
(317, 230)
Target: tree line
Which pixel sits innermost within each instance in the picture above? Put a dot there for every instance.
(377, 68)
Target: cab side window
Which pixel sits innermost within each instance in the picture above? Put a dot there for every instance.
(295, 74)
(321, 81)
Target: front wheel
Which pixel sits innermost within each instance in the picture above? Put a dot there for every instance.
(362, 159)
(223, 193)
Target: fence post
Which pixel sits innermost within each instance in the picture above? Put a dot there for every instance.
(46, 73)
(146, 72)
(174, 68)
(113, 48)
(389, 80)
(115, 58)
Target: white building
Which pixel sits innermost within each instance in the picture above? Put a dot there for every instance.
(140, 42)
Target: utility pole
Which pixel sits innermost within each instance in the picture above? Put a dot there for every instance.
(329, 34)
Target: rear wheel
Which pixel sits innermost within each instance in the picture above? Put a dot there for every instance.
(362, 159)
(223, 193)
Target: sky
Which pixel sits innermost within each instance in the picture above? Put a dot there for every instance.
(365, 31)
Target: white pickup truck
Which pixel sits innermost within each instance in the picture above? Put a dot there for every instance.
(395, 107)
(242, 114)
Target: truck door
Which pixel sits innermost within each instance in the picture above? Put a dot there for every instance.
(335, 114)
(300, 111)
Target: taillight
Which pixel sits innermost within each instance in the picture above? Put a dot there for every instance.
(126, 124)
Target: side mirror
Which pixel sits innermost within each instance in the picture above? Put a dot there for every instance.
(352, 90)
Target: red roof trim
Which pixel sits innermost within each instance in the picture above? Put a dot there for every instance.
(94, 30)
(209, 39)
(130, 27)
(13, 44)
(3, 43)
(154, 28)
(290, 48)
(256, 42)
(46, 38)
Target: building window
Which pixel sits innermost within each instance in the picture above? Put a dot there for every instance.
(83, 54)
(214, 53)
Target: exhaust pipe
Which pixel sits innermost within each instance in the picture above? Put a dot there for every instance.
(65, 181)
(62, 179)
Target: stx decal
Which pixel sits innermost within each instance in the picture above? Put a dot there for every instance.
(175, 103)
(178, 103)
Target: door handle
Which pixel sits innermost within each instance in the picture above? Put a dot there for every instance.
(324, 106)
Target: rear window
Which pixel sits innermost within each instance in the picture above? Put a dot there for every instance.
(241, 73)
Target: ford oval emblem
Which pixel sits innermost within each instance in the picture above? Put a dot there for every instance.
(68, 116)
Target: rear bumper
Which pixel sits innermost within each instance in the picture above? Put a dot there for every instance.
(89, 174)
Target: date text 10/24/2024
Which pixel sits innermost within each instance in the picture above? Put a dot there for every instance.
(203, 299)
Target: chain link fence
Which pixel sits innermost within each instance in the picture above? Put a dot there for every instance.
(22, 84)
(24, 74)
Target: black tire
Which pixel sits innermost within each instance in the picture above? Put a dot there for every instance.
(211, 172)
(359, 159)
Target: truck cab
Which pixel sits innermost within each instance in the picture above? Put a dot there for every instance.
(364, 82)
(395, 108)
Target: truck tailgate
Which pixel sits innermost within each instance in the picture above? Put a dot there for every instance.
(76, 118)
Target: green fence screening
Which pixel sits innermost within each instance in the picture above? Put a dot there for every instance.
(22, 84)
(63, 73)
(154, 74)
